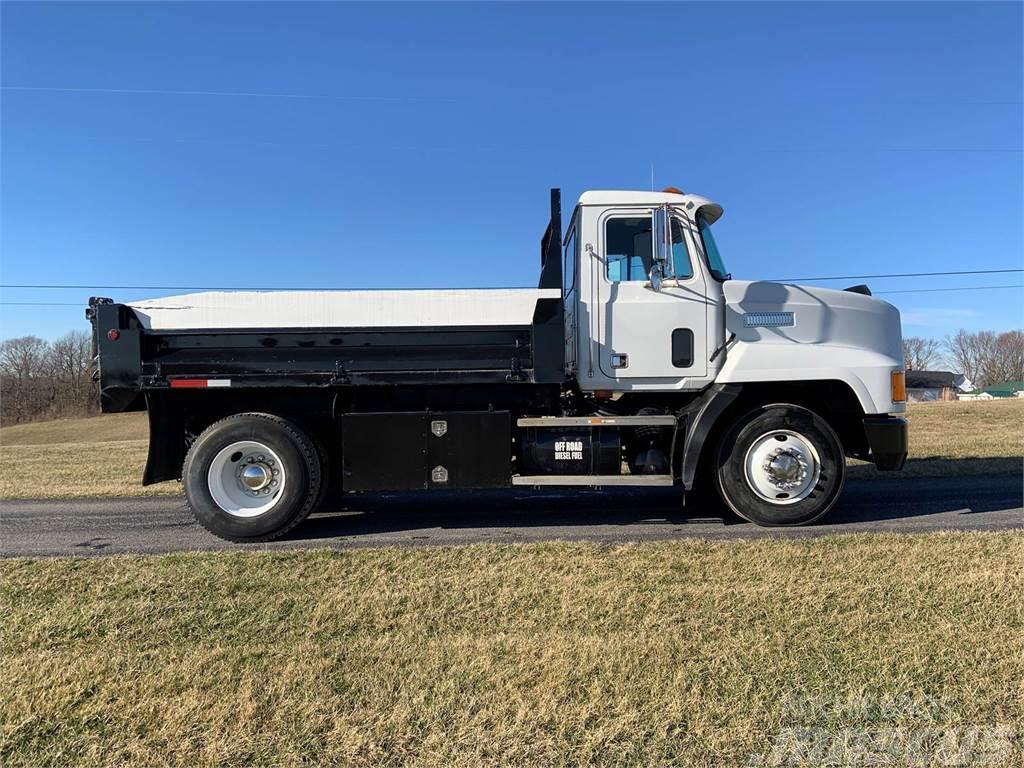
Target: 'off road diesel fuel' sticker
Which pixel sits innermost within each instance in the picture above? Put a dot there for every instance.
(568, 450)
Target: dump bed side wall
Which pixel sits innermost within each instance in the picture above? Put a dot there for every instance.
(132, 360)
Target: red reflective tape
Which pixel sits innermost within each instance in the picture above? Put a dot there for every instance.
(200, 383)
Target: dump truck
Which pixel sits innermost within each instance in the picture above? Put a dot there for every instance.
(636, 361)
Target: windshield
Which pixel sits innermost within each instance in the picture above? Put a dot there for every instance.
(715, 263)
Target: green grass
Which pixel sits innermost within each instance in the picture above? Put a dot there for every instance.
(105, 455)
(687, 653)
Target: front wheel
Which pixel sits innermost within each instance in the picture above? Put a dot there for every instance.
(252, 477)
(780, 465)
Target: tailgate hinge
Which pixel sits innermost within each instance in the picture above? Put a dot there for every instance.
(515, 369)
(155, 381)
(340, 374)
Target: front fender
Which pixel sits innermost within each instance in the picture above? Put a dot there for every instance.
(824, 334)
(866, 372)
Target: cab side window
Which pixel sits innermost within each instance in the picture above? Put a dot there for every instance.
(628, 250)
(682, 269)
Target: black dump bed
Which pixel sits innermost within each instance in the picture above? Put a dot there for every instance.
(131, 359)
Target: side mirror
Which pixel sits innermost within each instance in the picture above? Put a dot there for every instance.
(661, 245)
(656, 275)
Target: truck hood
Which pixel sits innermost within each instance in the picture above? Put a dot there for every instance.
(811, 315)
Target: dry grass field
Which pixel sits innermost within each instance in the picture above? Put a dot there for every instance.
(104, 455)
(109, 428)
(962, 438)
(69, 458)
(842, 651)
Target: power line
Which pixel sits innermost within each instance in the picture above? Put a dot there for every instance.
(47, 286)
(275, 289)
(876, 293)
(231, 94)
(41, 304)
(151, 287)
(902, 274)
(938, 290)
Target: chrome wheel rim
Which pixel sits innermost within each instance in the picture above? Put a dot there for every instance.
(246, 478)
(782, 467)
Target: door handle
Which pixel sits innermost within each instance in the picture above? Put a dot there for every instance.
(620, 361)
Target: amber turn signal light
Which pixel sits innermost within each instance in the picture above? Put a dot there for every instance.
(899, 386)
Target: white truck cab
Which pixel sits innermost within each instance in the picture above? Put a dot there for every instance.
(693, 325)
(625, 333)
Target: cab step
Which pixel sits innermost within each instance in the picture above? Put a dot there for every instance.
(593, 480)
(561, 422)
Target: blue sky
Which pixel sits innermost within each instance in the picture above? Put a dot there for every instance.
(413, 145)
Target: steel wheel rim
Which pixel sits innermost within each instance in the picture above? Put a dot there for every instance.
(782, 467)
(246, 478)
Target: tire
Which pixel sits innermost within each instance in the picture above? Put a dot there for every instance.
(780, 465)
(283, 482)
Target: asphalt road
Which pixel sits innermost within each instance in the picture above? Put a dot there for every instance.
(157, 525)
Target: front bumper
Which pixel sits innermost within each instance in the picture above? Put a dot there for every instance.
(887, 441)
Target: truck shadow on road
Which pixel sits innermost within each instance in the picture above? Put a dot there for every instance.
(866, 503)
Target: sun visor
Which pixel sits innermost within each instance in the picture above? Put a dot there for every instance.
(712, 212)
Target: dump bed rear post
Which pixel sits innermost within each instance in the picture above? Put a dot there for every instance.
(117, 337)
(548, 328)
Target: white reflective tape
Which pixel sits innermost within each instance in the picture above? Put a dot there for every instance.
(218, 382)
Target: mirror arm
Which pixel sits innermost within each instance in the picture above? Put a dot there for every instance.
(661, 246)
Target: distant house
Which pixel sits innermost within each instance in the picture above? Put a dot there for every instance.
(977, 395)
(1006, 389)
(929, 386)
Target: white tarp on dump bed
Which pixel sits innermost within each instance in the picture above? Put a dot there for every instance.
(341, 309)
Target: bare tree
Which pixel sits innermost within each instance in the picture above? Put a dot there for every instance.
(71, 354)
(39, 379)
(1007, 362)
(920, 354)
(986, 357)
(70, 357)
(23, 357)
(23, 364)
(961, 355)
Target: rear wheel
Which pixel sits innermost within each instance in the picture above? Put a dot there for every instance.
(780, 465)
(252, 477)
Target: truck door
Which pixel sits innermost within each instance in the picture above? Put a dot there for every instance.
(643, 333)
